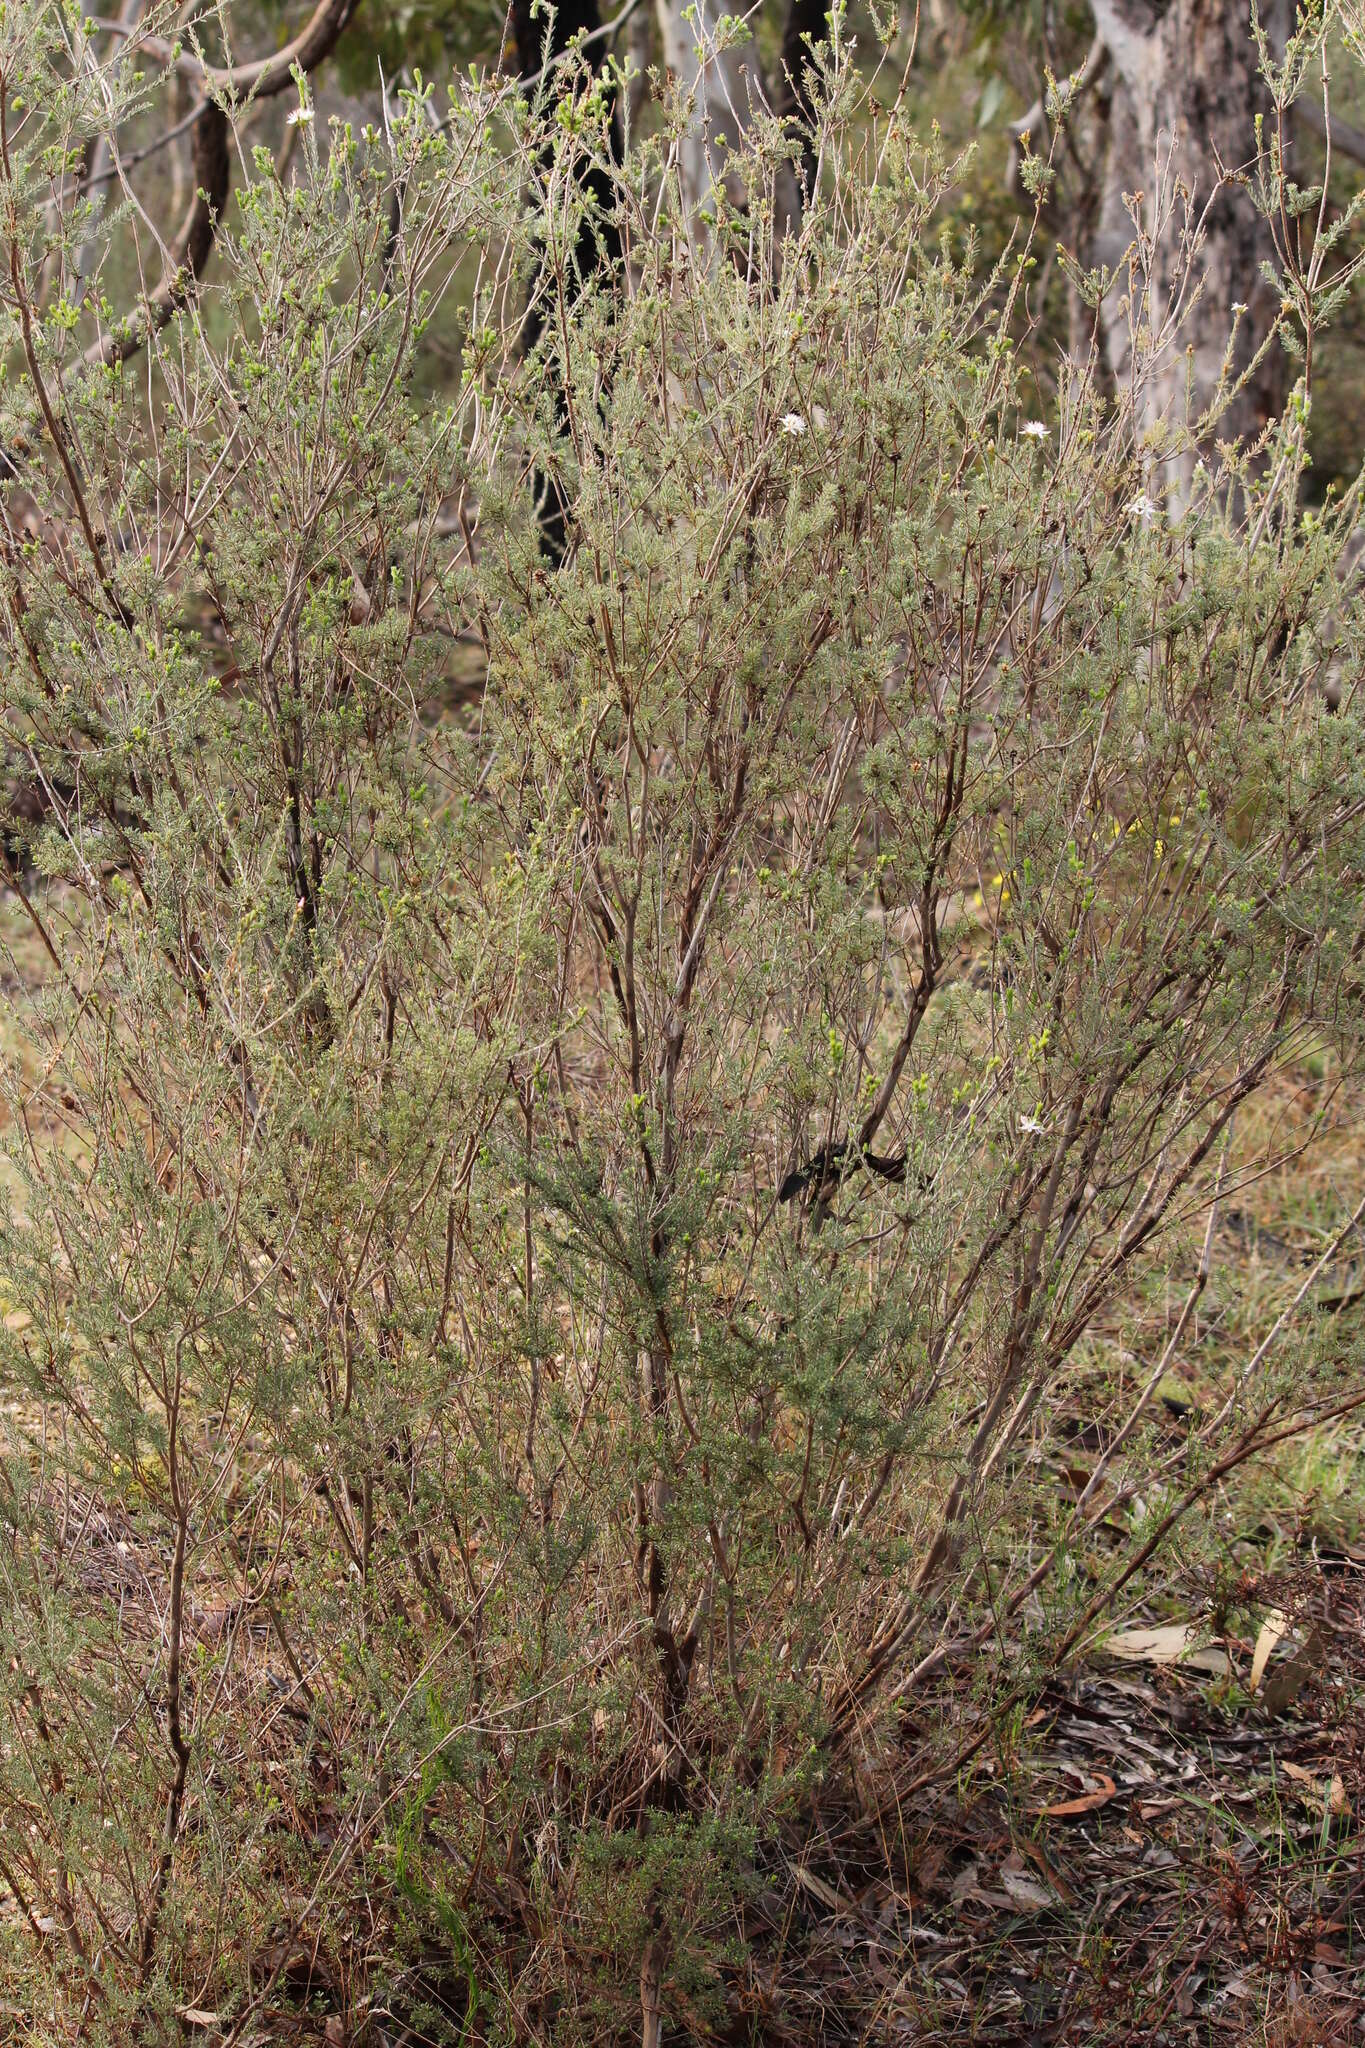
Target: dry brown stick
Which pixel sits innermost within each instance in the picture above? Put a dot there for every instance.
(180, 1749)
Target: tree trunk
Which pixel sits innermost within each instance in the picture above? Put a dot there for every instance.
(598, 238)
(1187, 90)
(651, 1995)
(724, 82)
(807, 23)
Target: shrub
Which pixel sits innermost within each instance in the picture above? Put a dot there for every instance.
(579, 1121)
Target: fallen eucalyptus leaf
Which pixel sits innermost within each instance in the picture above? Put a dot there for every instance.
(1152, 1645)
(1211, 1659)
(1086, 1802)
(1285, 1684)
(819, 1888)
(1272, 1632)
(1332, 1791)
(1024, 1892)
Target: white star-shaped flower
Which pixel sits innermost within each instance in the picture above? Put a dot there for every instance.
(1036, 430)
(792, 423)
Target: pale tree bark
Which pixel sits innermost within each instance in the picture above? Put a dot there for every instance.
(640, 49)
(88, 252)
(722, 82)
(1186, 92)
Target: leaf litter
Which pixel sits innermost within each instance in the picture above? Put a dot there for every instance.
(1158, 1852)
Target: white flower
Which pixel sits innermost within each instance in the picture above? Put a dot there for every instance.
(1032, 1125)
(300, 117)
(792, 423)
(1142, 509)
(1239, 305)
(1036, 430)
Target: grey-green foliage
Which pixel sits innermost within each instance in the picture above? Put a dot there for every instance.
(453, 1510)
